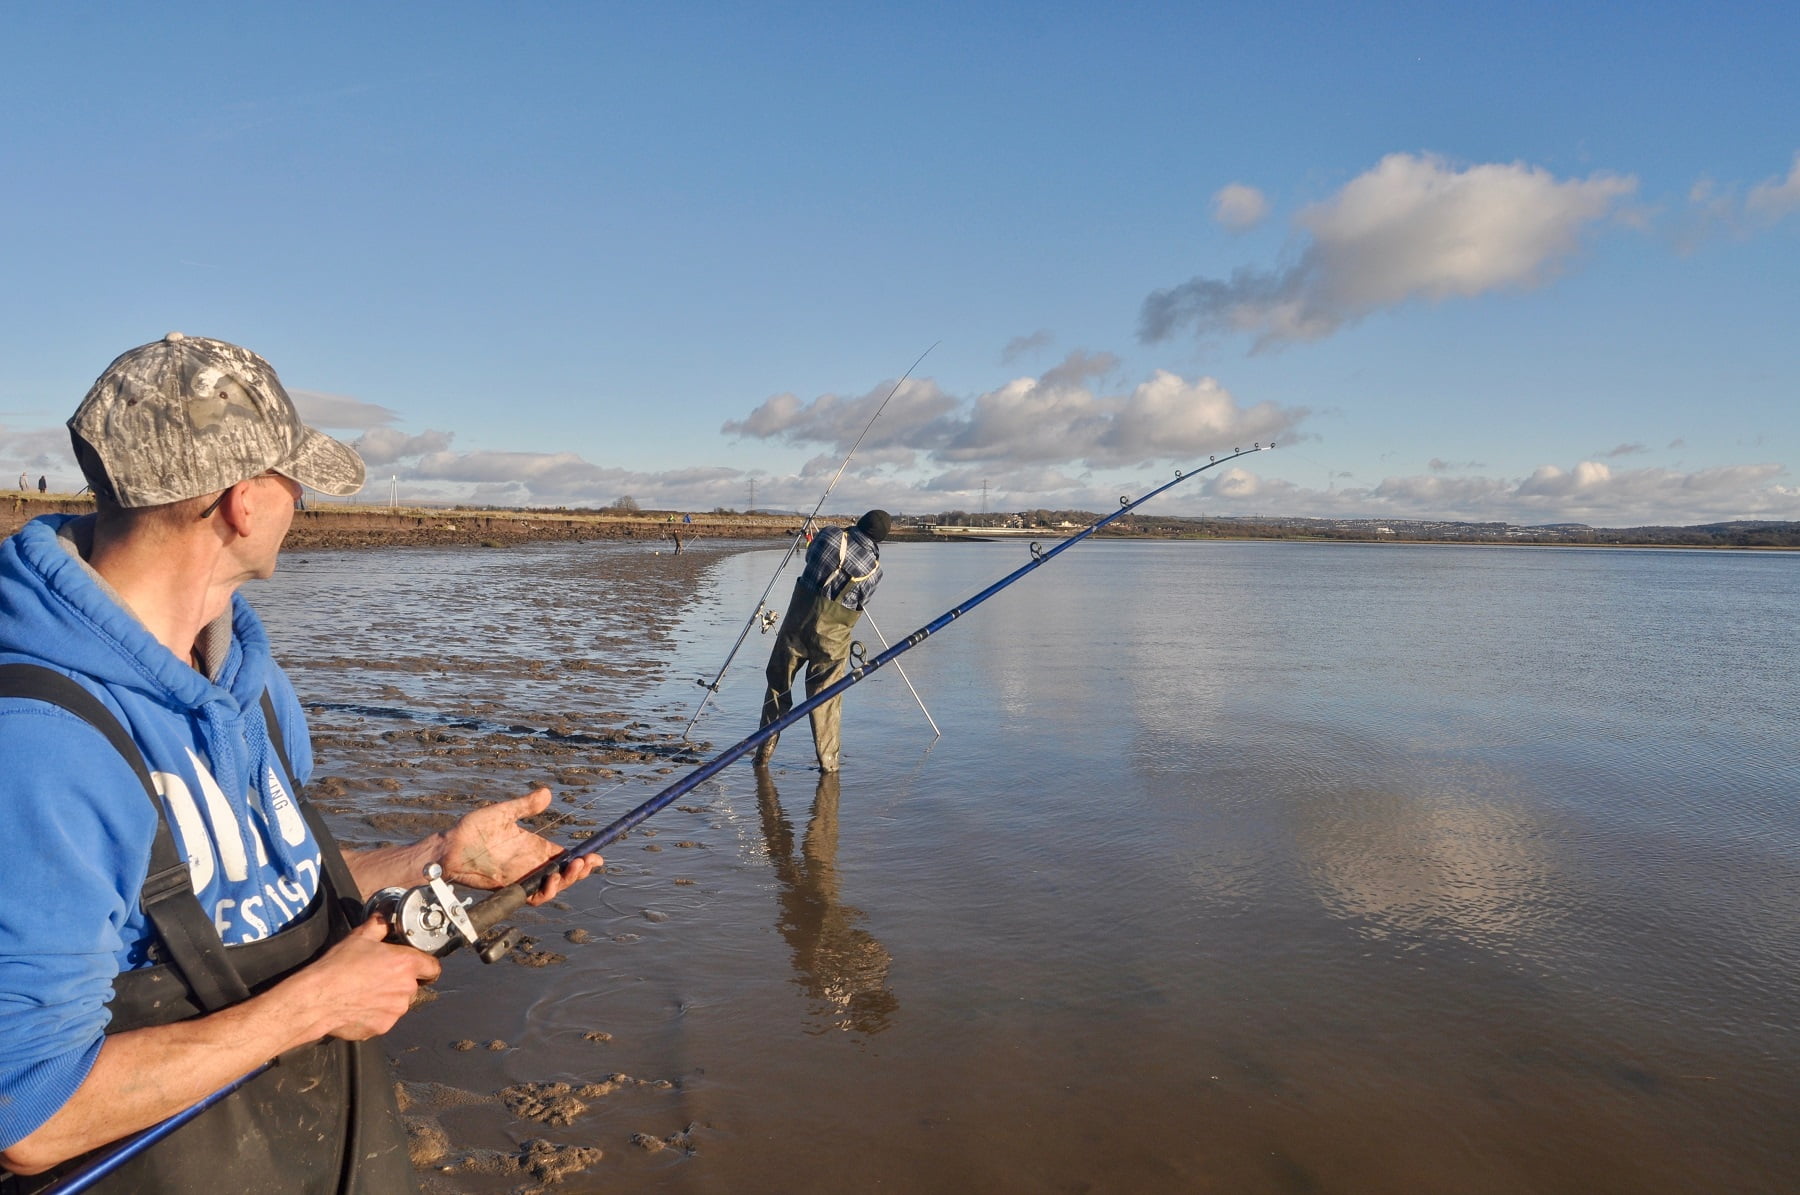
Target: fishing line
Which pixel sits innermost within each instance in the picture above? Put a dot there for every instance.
(935, 732)
(712, 686)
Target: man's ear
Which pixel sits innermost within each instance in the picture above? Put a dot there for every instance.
(239, 507)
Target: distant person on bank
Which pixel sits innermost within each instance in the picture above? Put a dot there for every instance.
(160, 939)
(843, 567)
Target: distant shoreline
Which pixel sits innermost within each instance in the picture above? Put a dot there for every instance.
(347, 525)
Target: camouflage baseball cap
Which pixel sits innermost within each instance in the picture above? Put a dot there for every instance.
(186, 416)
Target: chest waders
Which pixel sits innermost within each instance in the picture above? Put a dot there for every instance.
(322, 1120)
(814, 635)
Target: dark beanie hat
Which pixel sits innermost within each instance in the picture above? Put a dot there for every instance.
(875, 525)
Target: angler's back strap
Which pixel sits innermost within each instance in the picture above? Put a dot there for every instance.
(833, 587)
(186, 933)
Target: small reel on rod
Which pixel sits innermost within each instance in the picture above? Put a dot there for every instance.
(432, 918)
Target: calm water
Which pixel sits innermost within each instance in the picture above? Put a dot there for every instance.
(1239, 867)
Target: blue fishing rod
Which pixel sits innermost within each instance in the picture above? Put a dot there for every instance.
(432, 918)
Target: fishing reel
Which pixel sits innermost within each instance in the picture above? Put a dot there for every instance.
(432, 918)
(766, 617)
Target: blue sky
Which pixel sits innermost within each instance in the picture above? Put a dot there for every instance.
(1526, 262)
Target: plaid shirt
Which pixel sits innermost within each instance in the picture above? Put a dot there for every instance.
(844, 564)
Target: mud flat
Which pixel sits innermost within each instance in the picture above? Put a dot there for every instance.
(442, 677)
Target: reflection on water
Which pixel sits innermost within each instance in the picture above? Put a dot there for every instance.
(836, 961)
(1437, 864)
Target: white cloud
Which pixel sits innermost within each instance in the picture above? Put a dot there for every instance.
(832, 419)
(1236, 484)
(1020, 346)
(1062, 417)
(1716, 210)
(36, 448)
(528, 467)
(340, 411)
(1588, 492)
(1026, 420)
(385, 445)
(1169, 417)
(1239, 207)
(774, 417)
(1416, 227)
(1772, 200)
(1588, 477)
(1413, 228)
(564, 479)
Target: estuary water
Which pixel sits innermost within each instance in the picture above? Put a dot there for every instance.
(1239, 867)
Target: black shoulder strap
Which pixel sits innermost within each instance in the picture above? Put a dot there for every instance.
(187, 935)
(337, 871)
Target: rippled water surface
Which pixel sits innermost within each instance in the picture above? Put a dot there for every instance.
(1238, 868)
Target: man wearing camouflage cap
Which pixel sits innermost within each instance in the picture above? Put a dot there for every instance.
(174, 914)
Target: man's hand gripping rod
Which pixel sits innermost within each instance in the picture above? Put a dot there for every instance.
(431, 917)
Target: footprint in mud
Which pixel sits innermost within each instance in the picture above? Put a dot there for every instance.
(682, 1140)
(426, 1140)
(435, 1096)
(527, 954)
(546, 1162)
(548, 1103)
(561, 1103)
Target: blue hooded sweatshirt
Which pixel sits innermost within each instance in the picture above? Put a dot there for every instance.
(75, 824)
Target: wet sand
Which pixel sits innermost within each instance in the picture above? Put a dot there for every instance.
(406, 741)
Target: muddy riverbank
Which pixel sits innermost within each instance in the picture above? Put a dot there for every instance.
(340, 525)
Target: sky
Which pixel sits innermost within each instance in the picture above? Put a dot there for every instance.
(1523, 262)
